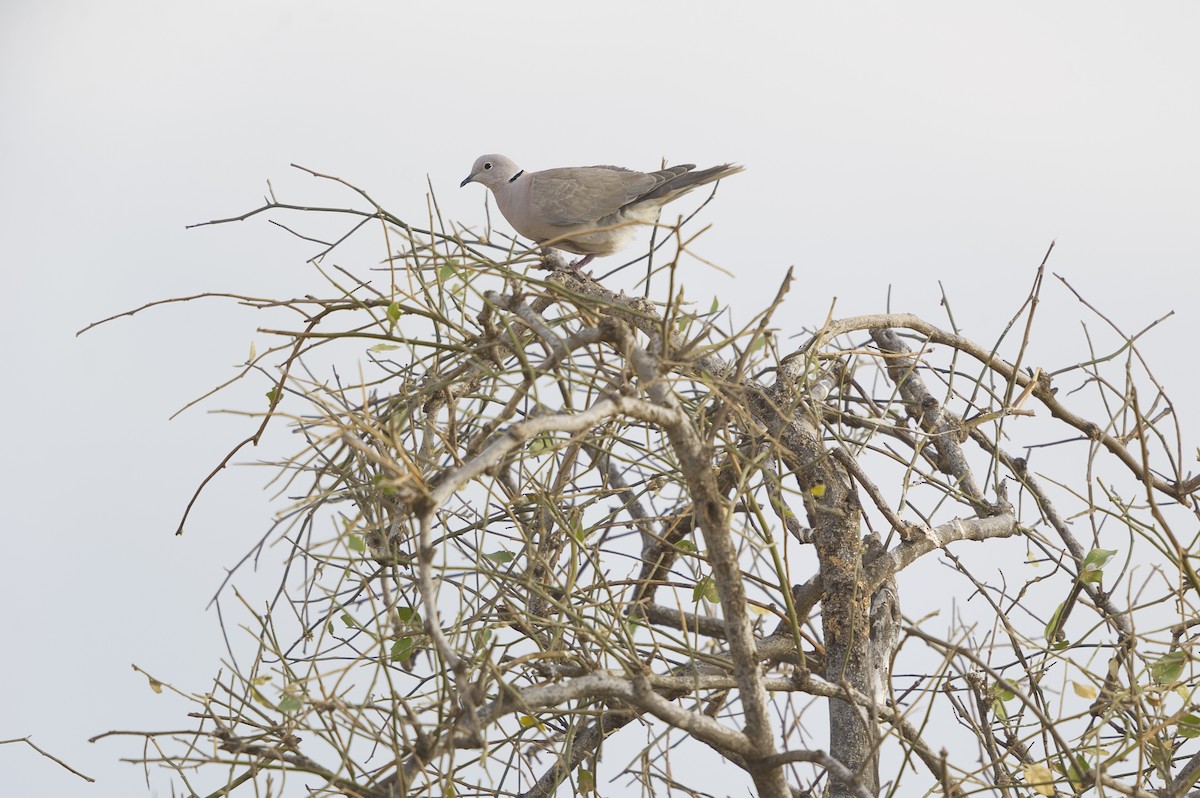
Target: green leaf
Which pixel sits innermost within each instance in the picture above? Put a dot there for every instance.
(688, 546)
(446, 272)
(273, 395)
(716, 305)
(541, 444)
(480, 639)
(529, 721)
(1160, 754)
(998, 709)
(1189, 726)
(348, 619)
(1098, 558)
(1052, 627)
(577, 530)
(393, 312)
(355, 542)
(706, 589)
(585, 780)
(408, 615)
(1074, 770)
(402, 649)
(1093, 564)
(501, 557)
(383, 348)
(1168, 668)
(290, 703)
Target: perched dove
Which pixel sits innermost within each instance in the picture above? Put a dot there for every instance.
(587, 210)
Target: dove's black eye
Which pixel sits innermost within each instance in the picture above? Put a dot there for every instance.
(487, 165)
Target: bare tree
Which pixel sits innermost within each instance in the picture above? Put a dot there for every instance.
(552, 538)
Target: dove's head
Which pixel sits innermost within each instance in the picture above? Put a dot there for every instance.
(492, 171)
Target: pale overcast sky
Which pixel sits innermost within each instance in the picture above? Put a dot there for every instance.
(905, 148)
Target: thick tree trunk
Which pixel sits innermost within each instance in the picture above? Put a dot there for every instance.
(835, 515)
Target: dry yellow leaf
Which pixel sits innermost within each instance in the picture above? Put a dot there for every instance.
(1084, 690)
(1040, 779)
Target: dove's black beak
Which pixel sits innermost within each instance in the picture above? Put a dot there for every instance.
(468, 180)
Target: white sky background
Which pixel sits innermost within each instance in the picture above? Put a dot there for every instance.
(886, 145)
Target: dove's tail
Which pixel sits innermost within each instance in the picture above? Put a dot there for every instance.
(678, 180)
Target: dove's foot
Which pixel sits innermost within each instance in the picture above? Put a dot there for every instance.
(553, 261)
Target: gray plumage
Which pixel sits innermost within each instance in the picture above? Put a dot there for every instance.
(587, 210)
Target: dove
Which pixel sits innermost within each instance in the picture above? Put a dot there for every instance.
(586, 210)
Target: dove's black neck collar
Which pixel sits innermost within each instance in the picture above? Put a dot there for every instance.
(513, 179)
